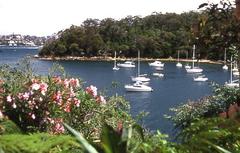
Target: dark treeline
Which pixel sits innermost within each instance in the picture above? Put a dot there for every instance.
(157, 35)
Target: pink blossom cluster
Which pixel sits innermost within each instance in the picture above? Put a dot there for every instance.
(74, 83)
(38, 95)
(56, 125)
(66, 99)
(92, 90)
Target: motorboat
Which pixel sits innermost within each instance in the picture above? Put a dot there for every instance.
(138, 86)
(200, 78)
(115, 63)
(194, 69)
(236, 73)
(225, 67)
(158, 74)
(129, 64)
(178, 63)
(232, 83)
(156, 64)
(187, 66)
(139, 76)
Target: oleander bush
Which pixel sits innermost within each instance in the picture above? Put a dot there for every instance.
(42, 103)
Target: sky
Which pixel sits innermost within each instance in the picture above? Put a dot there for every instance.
(45, 17)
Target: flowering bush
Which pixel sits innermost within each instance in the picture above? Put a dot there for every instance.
(38, 103)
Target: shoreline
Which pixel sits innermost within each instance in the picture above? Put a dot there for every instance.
(100, 58)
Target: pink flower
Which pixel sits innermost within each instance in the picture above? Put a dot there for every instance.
(9, 98)
(14, 105)
(77, 102)
(43, 88)
(101, 100)
(74, 82)
(35, 86)
(33, 116)
(66, 83)
(92, 90)
(26, 95)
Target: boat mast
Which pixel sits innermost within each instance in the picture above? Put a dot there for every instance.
(138, 63)
(178, 56)
(115, 59)
(193, 57)
(225, 56)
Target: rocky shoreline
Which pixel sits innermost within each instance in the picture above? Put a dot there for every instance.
(103, 58)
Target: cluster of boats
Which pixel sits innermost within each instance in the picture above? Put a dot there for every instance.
(141, 81)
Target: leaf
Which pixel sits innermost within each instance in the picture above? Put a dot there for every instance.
(112, 142)
(202, 5)
(139, 129)
(81, 139)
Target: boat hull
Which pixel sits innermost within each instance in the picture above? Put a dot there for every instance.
(194, 70)
(137, 89)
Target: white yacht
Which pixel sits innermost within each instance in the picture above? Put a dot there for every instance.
(129, 64)
(225, 67)
(232, 83)
(187, 66)
(194, 69)
(115, 63)
(236, 73)
(158, 74)
(140, 77)
(138, 86)
(200, 78)
(178, 63)
(156, 64)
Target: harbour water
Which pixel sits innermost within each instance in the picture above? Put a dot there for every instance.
(174, 88)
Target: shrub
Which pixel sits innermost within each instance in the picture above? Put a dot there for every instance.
(43, 103)
(38, 143)
(211, 106)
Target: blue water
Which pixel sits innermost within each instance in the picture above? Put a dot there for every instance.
(176, 87)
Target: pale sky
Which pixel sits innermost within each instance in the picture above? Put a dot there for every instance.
(45, 17)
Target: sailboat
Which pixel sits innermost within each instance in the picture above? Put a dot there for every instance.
(194, 69)
(140, 77)
(178, 64)
(232, 83)
(225, 67)
(137, 86)
(115, 63)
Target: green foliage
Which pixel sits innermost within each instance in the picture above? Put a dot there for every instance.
(38, 143)
(156, 35)
(8, 127)
(210, 106)
(211, 135)
(81, 139)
